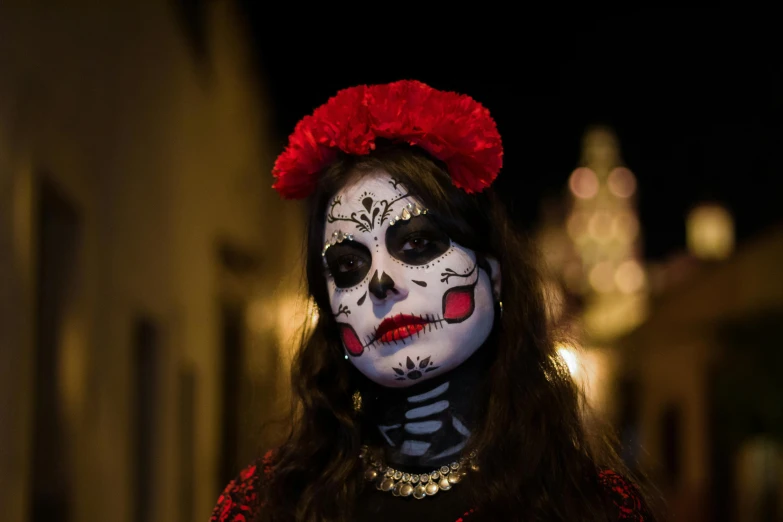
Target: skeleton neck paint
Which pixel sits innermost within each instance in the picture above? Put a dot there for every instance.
(428, 425)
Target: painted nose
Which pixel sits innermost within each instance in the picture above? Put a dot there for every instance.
(381, 285)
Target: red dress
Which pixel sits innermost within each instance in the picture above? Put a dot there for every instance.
(239, 502)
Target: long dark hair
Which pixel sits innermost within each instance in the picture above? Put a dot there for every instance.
(535, 459)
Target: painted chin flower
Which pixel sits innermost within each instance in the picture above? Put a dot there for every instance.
(451, 127)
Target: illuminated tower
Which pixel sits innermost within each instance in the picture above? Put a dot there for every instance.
(605, 265)
(596, 287)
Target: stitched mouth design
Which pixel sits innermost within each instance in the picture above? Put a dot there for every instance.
(399, 327)
(402, 326)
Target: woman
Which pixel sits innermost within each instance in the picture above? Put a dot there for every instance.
(430, 387)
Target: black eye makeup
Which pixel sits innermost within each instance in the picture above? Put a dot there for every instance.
(348, 262)
(416, 241)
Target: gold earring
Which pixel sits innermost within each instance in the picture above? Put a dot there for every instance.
(500, 304)
(357, 401)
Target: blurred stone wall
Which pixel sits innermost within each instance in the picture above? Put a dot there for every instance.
(162, 149)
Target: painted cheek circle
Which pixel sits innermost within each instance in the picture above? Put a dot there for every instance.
(351, 340)
(458, 304)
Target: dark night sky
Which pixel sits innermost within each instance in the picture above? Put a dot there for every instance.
(695, 95)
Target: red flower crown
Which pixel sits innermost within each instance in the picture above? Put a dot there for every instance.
(452, 127)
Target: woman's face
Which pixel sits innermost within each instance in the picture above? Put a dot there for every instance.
(409, 302)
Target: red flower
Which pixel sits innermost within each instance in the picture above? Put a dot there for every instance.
(345, 120)
(452, 127)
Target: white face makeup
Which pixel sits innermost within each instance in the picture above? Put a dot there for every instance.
(409, 302)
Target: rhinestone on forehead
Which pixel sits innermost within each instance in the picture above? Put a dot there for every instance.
(337, 237)
(409, 211)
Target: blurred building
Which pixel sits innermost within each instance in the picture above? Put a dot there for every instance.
(682, 356)
(702, 387)
(146, 286)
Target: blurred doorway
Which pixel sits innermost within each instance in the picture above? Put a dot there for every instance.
(232, 353)
(238, 271)
(187, 443)
(59, 230)
(746, 391)
(759, 480)
(146, 371)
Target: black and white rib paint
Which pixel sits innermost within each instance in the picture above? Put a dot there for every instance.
(427, 416)
(428, 425)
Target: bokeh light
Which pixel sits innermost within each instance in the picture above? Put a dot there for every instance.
(569, 356)
(602, 277)
(600, 226)
(583, 183)
(622, 182)
(629, 277)
(710, 232)
(625, 226)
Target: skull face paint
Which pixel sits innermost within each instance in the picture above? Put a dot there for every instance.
(409, 302)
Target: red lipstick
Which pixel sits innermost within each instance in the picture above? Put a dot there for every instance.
(399, 327)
